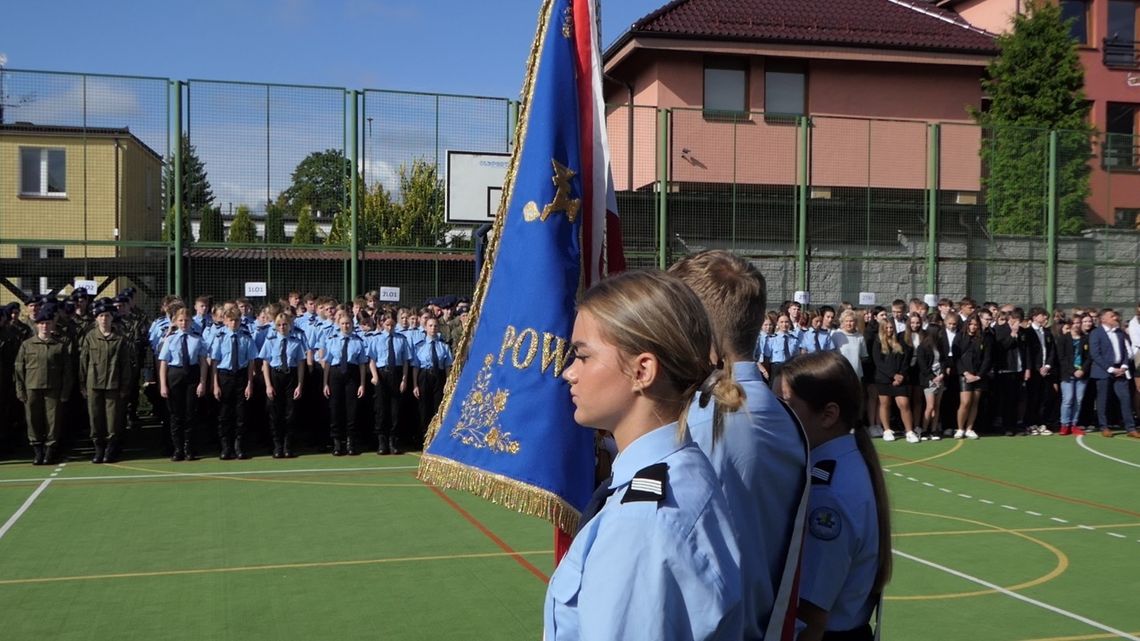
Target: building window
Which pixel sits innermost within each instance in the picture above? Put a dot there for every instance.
(1120, 40)
(43, 172)
(1120, 137)
(1078, 12)
(785, 88)
(726, 88)
(43, 284)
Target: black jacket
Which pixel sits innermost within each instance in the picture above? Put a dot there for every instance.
(889, 364)
(1066, 356)
(974, 355)
(925, 353)
(1033, 356)
(1008, 347)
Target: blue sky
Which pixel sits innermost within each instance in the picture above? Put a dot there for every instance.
(452, 46)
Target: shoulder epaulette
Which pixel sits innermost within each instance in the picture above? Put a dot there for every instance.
(822, 472)
(648, 484)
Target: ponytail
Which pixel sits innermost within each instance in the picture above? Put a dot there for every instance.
(726, 394)
(882, 507)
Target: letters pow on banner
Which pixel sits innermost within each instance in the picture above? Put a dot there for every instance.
(506, 429)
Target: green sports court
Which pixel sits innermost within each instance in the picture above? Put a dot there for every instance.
(1002, 539)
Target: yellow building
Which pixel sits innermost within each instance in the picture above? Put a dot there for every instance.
(64, 188)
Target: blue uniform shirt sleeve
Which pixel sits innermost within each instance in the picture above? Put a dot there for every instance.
(830, 546)
(164, 354)
(265, 353)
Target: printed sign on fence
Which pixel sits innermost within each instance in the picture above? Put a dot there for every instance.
(866, 298)
(390, 294)
(256, 290)
(89, 285)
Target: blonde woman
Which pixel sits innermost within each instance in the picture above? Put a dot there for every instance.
(892, 360)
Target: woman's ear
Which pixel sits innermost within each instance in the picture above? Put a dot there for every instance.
(829, 417)
(645, 371)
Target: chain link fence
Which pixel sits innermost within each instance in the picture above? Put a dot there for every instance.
(834, 206)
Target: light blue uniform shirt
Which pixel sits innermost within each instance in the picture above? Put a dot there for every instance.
(760, 459)
(209, 333)
(223, 347)
(260, 333)
(156, 333)
(774, 348)
(357, 354)
(415, 336)
(813, 337)
(378, 349)
(171, 350)
(270, 351)
(442, 353)
(841, 547)
(320, 332)
(201, 322)
(654, 570)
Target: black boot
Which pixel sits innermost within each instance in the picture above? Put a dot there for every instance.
(179, 454)
(338, 447)
(286, 452)
(37, 454)
(100, 452)
(188, 451)
(278, 448)
(394, 445)
(50, 455)
(111, 454)
(383, 448)
(352, 451)
(238, 452)
(227, 453)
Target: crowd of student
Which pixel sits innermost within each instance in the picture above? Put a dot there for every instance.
(962, 369)
(306, 360)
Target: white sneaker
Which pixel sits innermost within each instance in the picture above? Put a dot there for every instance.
(935, 436)
(1044, 431)
(875, 431)
(971, 434)
(888, 435)
(959, 434)
(911, 437)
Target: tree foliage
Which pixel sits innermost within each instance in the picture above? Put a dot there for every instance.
(306, 233)
(275, 222)
(242, 229)
(168, 227)
(340, 234)
(196, 192)
(1035, 85)
(321, 181)
(210, 226)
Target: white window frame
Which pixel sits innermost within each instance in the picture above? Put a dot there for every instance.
(44, 169)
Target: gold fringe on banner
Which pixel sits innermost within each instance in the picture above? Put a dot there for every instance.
(499, 489)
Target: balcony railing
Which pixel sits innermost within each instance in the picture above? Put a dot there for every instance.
(1120, 152)
(1121, 54)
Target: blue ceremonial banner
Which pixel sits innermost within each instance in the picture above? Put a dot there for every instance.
(505, 430)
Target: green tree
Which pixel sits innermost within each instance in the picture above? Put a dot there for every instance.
(210, 226)
(1035, 84)
(168, 227)
(321, 181)
(306, 233)
(378, 216)
(340, 234)
(421, 220)
(275, 222)
(196, 192)
(242, 229)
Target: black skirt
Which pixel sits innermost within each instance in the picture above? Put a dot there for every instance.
(886, 389)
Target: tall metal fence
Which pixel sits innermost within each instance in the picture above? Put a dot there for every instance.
(341, 191)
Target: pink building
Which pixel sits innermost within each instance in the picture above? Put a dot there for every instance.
(1107, 33)
(737, 74)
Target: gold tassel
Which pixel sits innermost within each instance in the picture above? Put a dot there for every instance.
(499, 489)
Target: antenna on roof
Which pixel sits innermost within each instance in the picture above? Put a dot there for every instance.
(4, 95)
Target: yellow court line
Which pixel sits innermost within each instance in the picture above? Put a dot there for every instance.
(1081, 637)
(891, 466)
(1058, 528)
(277, 566)
(207, 475)
(1058, 570)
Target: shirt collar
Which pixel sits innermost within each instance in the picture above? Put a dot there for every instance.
(646, 450)
(745, 371)
(834, 448)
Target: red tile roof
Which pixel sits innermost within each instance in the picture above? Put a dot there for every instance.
(887, 24)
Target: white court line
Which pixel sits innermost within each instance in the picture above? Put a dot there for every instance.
(1081, 442)
(210, 474)
(1053, 518)
(1119, 536)
(1020, 597)
(24, 508)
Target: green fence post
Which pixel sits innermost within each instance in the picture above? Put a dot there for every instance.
(663, 118)
(802, 180)
(932, 181)
(1051, 240)
(354, 243)
(176, 87)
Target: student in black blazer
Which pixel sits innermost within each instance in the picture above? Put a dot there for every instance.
(972, 352)
(1040, 376)
(892, 359)
(1009, 361)
(932, 364)
(1073, 365)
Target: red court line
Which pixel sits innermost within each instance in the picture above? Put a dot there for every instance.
(491, 535)
(1033, 490)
